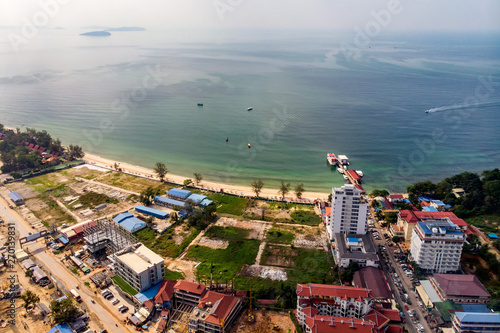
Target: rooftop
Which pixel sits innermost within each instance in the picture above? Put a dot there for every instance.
(196, 198)
(15, 196)
(470, 317)
(313, 289)
(439, 228)
(129, 222)
(416, 216)
(178, 192)
(327, 324)
(194, 288)
(461, 285)
(344, 251)
(140, 259)
(169, 201)
(372, 278)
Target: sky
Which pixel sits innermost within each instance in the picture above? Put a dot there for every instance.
(403, 15)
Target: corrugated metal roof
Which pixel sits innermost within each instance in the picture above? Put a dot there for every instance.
(196, 198)
(15, 196)
(151, 211)
(169, 201)
(471, 317)
(178, 192)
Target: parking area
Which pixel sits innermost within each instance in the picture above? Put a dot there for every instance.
(113, 303)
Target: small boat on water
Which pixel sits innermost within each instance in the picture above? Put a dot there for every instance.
(249, 145)
(345, 177)
(340, 170)
(249, 109)
(360, 173)
(200, 104)
(332, 159)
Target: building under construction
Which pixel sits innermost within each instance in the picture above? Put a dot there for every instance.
(106, 238)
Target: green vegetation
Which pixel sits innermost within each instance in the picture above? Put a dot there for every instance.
(482, 192)
(227, 233)
(284, 189)
(275, 235)
(229, 204)
(124, 285)
(299, 189)
(160, 170)
(63, 311)
(173, 275)
(257, 186)
(132, 183)
(29, 298)
(197, 178)
(164, 244)
(305, 217)
(379, 193)
(391, 217)
(148, 194)
(92, 199)
(488, 222)
(226, 262)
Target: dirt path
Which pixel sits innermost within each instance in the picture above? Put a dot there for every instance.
(77, 218)
(92, 181)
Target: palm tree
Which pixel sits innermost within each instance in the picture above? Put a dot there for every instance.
(284, 189)
(160, 170)
(257, 185)
(197, 178)
(299, 189)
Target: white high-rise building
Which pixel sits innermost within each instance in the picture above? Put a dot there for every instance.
(349, 211)
(436, 246)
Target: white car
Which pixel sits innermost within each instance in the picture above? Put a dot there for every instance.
(115, 301)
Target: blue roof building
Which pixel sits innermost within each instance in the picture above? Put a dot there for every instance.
(492, 236)
(129, 222)
(205, 202)
(62, 328)
(178, 193)
(429, 209)
(16, 198)
(151, 211)
(475, 322)
(168, 202)
(196, 198)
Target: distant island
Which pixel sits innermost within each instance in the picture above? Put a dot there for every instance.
(126, 29)
(96, 33)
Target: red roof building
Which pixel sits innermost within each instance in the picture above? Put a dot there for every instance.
(373, 278)
(407, 219)
(460, 288)
(165, 294)
(214, 312)
(327, 324)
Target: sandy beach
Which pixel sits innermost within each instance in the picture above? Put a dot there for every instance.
(234, 189)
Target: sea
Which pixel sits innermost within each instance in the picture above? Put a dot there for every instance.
(133, 97)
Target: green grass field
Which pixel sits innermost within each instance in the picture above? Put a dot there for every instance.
(173, 275)
(279, 236)
(227, 262)
(487, 223)
(305, 217)
(164, 244)
(227, 233)
(124, 285)
(228, 204)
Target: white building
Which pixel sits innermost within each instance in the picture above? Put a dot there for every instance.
(349, 211)
(139, 266)
(332, 301)
(436, 246)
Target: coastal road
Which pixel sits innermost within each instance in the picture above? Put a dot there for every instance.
(108, 320)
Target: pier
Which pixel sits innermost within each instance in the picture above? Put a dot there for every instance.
(352, 176)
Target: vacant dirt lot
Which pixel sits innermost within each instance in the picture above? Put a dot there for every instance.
(264, 323)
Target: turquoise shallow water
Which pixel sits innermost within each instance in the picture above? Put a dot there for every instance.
(133, 97)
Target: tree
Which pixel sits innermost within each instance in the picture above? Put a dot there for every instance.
(56, 145)
(396, 239)
(187, 182)
(29, 273)
(75, 152)
(379, 193)
(197, 178)
(257, 186)
(284, 189)
(29, 298)
(63, 311)
(160, 170)
(299, 189)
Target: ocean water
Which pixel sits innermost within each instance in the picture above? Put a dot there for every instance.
(133, 97)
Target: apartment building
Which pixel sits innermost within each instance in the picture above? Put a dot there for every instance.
(139, 266)
(436, 246)
(460, 288)
(349, 211)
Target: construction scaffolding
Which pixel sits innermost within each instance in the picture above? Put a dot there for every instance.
(107, 236)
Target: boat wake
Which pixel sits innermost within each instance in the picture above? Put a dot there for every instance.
(457, 107)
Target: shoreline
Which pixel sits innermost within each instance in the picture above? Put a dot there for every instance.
(247, 191)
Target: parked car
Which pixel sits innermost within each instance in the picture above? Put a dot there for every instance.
(115, 301)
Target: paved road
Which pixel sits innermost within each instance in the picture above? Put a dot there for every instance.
(57, 269)
(405, 281)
